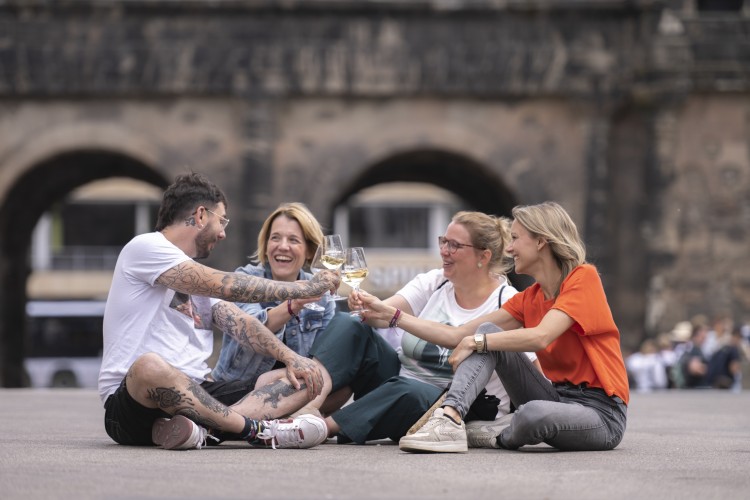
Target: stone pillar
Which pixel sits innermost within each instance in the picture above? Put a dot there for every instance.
(629, 202)
(257, 169)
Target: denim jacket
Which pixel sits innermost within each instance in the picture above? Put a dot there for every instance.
(238, 363)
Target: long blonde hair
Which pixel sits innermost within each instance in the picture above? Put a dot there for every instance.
(311, 230)
(488, 232)
(552, 223)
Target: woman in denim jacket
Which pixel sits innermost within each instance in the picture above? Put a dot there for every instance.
(287, 242)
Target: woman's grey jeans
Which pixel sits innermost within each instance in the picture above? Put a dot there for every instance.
(565, 416)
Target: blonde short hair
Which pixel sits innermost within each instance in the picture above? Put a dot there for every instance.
(311, 230)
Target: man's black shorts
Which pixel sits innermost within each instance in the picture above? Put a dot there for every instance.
(128, 422)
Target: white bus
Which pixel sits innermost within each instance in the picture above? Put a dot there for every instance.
(64, 342)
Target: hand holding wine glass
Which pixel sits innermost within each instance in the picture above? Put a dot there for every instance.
(316, 265)
(355, 271)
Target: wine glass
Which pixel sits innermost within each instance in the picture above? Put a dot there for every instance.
(333, 256)
(316, 265)
(355, 271)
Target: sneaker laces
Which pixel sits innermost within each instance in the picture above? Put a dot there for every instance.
(202, 435)
(281, 433)
(205, 436)
(433, 422)
(437, 419)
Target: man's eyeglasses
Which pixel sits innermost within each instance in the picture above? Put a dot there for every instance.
(222, 220)
(453, 246)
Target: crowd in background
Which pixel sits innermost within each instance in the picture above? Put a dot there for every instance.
(696, 354)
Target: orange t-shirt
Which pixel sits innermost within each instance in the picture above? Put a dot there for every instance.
(590, 350)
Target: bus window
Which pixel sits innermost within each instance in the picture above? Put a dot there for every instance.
(64, 343)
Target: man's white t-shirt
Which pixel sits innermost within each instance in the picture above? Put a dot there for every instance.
(428, 362)
(142, 316)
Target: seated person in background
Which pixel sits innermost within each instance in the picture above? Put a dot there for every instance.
(725, 366)
(158, 335)
(718, 334)
(668, 355)
(693, 363)
(647, 367)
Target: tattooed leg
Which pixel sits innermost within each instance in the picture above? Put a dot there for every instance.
(270, 377)
(326, 403)
(277, 399)
(154, 383)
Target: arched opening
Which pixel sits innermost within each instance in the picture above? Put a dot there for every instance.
(40, 188)
(467, 179)
(398, 207)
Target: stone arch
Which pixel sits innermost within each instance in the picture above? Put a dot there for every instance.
(25, 200)
(449, 170)
(471, 181)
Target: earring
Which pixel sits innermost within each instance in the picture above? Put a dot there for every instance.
(479, 265)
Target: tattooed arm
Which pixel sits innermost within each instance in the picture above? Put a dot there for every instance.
(251, 333)
(196, 279)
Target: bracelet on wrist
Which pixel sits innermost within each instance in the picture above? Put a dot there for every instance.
(291, 312)
(394, 319)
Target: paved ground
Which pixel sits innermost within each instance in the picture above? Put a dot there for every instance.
(678, 445)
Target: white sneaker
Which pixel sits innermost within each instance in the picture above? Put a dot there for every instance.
(483, 433)
(304, 431)
(178, 433)
(440, 434)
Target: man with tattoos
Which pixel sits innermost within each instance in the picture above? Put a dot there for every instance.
(158, 334)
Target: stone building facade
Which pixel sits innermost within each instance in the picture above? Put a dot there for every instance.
(634, 115)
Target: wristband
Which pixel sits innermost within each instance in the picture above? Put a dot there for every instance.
(395, 318)
(289, 309)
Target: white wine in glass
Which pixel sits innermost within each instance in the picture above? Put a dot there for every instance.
(333, 256)
(355, 271)
(354, 277)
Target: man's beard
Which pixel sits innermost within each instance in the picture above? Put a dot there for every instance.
(202, 247)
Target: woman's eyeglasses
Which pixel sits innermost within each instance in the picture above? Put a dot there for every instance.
(453, 246)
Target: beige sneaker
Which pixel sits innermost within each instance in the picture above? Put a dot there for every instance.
(439, 435)
(483, 433)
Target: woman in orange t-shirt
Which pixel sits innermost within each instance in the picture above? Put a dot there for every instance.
(564, 317)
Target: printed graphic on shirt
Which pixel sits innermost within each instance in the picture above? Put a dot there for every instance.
(428, 356)
(183, 303)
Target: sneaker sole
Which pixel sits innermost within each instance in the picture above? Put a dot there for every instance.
(169, 433)
(434, 447)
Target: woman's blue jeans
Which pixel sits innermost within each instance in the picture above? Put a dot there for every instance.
(567, 417)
